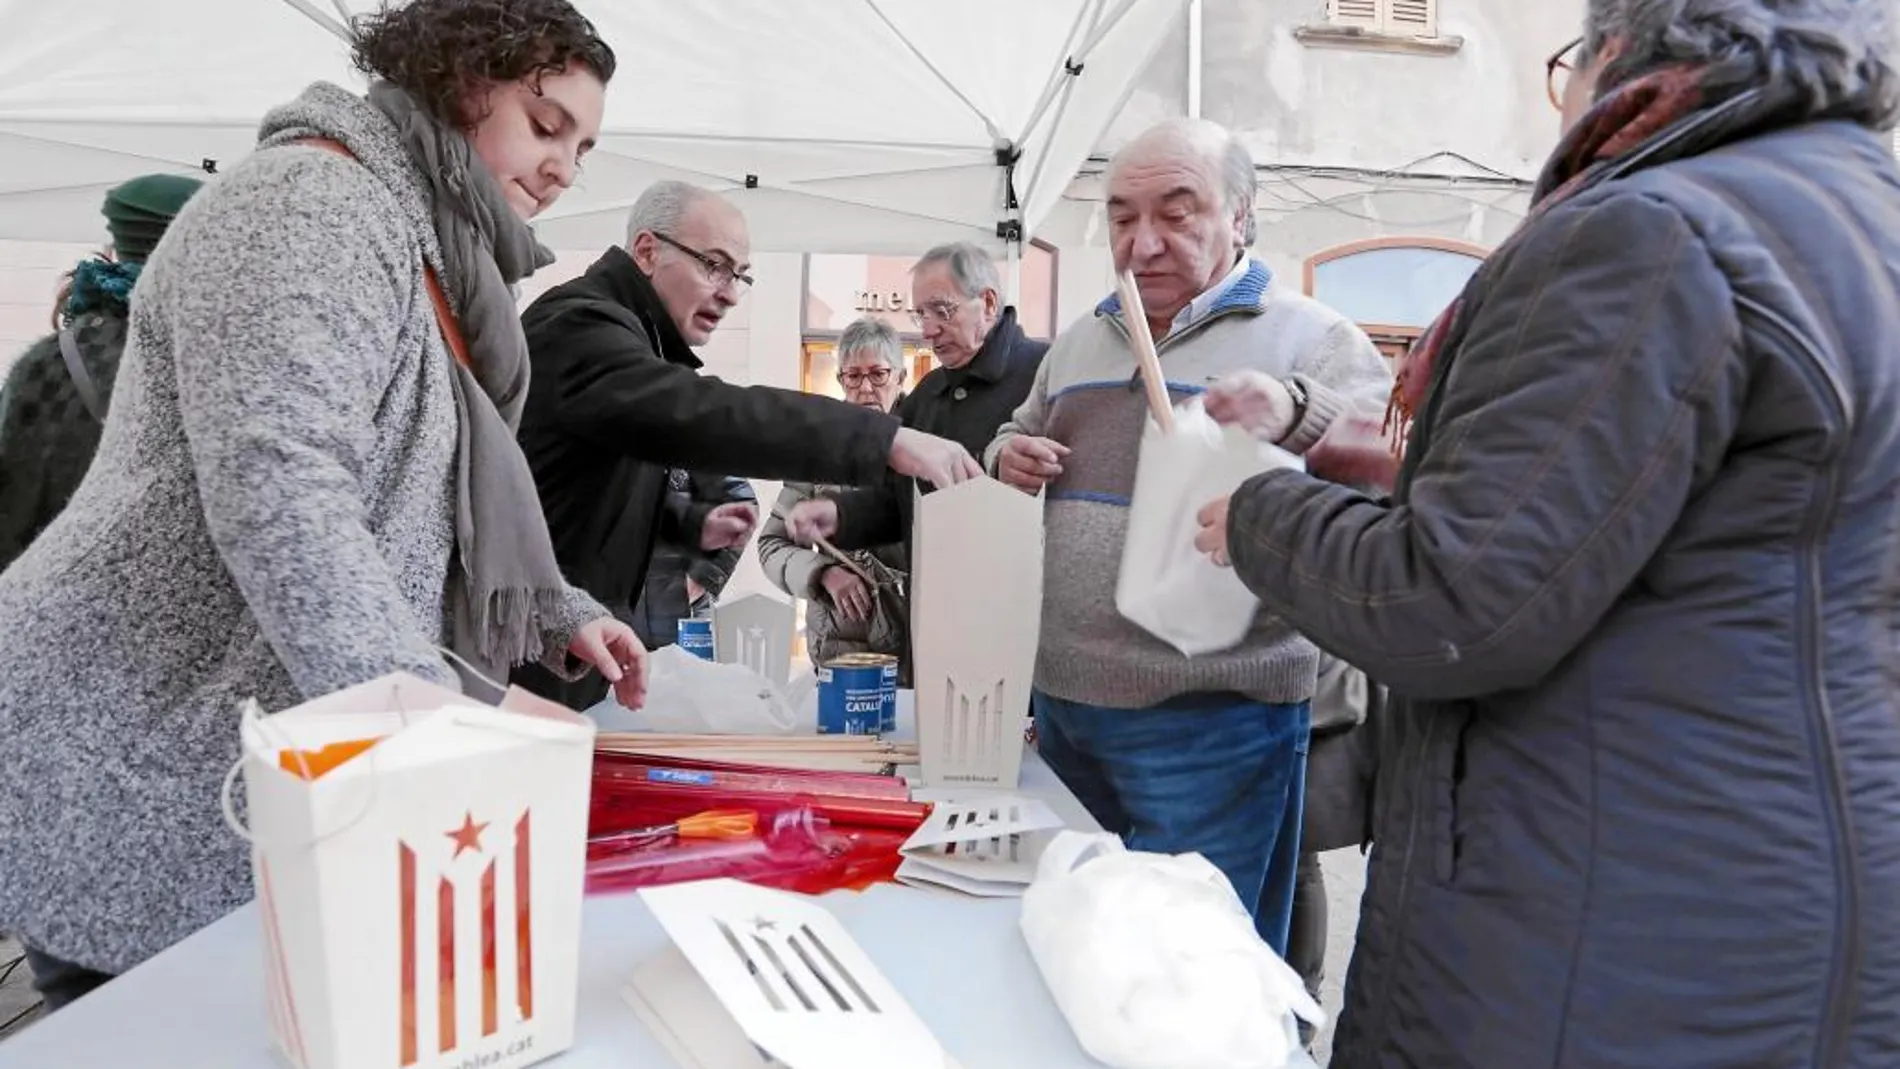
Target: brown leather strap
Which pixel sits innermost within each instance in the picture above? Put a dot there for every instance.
(444, 316)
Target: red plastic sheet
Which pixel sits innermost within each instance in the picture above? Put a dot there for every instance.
(818, 832)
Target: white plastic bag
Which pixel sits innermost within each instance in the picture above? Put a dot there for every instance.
(1156, 965)
(1166, 586)
(693, 696)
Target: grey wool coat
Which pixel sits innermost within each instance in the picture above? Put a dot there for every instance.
(268, 516)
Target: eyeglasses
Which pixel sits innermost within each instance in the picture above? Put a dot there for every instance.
(937, 311)
(855, 377)
(1560, 60)
(719, 272)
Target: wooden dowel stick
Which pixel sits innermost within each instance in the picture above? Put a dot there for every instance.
(1144, 345)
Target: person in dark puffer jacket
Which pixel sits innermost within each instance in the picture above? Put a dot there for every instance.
(54, 403)
(1636, 595)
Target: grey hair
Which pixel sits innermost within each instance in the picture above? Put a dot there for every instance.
(1239, 186)
(661, 207)
(869, 335)
(970, 267)
(1837, 55)
(1232, 163)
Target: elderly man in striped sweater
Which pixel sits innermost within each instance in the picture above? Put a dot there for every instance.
(1177, 754)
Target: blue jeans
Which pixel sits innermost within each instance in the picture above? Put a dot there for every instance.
(1225, 779)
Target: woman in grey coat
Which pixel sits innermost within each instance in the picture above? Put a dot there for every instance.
(299, 487)
(1636, 595)
(843, 613)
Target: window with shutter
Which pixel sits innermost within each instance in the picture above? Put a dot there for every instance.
(1408, 26)
(1400, 18)
(1411, 18)
(1354, 12)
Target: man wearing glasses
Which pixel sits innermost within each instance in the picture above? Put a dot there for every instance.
(985, 366)
(617, 400)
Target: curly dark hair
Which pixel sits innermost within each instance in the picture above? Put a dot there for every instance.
(444, 52)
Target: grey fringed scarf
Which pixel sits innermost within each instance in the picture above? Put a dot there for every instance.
(507, 581)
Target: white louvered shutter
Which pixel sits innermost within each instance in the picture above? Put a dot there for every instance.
(1354, 12)
(1410, 18)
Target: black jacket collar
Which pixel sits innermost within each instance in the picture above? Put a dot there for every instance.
(620, 279)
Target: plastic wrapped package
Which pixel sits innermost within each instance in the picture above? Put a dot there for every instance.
(635, 802)
(620, 767)
(791, 847)
(806, 841)
(1154, 961)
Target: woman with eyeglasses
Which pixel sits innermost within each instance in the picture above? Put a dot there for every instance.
(844, 613)
(1636, 594)
(308, 476)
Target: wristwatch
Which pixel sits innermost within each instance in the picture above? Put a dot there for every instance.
(1296, 390)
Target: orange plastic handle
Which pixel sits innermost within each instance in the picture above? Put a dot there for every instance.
(719, 824)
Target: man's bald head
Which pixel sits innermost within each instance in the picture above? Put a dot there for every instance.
(693, 247)
(1180, 211)
(1226, 159)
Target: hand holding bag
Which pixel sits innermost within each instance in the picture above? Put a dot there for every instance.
(1166, 586)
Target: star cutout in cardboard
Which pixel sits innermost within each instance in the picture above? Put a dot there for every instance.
(468, 836)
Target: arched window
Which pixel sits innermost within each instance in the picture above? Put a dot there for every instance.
(1392, 287)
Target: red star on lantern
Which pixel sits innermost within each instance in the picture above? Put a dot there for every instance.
(468, 836)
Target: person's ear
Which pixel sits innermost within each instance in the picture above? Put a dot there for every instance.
(645, 251)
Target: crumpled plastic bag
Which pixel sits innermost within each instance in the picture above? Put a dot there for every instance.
(1166, 586)
(1154, 962)
(688, 695)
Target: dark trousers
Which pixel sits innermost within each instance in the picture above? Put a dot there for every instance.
(1306, 945)
(58, 981)
(1226, 781)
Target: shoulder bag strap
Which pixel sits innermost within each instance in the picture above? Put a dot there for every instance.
(444, 317)
(82, 379)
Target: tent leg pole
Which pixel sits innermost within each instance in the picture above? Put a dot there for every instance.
(1013, 278)
(1194, 60)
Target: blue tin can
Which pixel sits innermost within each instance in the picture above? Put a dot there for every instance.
(887, 719)
(857, 695)
(696, 637)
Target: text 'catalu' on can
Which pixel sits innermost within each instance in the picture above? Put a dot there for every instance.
(857, 695)
(696, 637)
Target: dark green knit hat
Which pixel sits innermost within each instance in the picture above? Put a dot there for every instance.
(138, 211)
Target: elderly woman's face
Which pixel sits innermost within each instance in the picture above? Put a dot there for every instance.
(868, 381)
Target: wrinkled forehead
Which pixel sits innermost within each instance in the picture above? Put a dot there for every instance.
(933, 283)
(716, 227)
(1153, 179)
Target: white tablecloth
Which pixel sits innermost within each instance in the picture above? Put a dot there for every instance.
(961, 963)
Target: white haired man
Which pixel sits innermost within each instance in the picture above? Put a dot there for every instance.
(1635, 599)
(1176, 754)
(985, 365)
(617, 400)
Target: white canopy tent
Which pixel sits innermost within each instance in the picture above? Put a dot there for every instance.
(868, 126)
